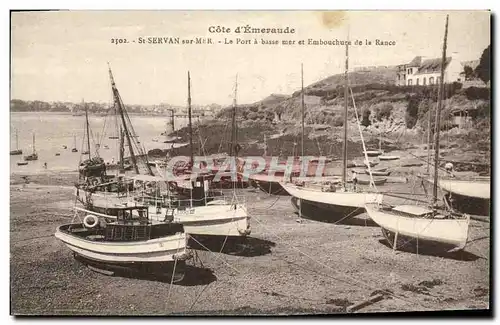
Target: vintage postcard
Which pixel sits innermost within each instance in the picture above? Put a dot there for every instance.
(249, 162)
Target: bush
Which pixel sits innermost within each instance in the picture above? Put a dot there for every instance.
(473, 93)
(383, 111)
(337, 120)
(366, 117)
(253, 116)
(411, 115)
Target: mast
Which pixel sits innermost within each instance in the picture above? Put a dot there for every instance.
(302, 106)
(17, 140)
(34, 150)
(121, 151)
(190, 123)
(118, 103)
(344, 152)
(87, 126)
(438, 116)
(233, 121)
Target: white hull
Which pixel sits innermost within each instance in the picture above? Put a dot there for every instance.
(450, 232)
(342, 199)
(474, 189)
(164, 249)
(213, 220)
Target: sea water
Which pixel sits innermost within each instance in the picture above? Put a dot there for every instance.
(55, 130)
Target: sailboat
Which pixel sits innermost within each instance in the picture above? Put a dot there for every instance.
(74, 147)
(270, 180)
(225, 216)
(426, 226)
(339, 203)
(93, 169)
(34, 155)
(17, 151)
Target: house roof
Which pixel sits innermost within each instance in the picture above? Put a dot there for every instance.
(432, 65)
(415, 62)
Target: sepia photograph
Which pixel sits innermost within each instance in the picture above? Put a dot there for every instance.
(276, 163)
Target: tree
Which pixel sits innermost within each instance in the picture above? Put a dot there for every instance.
(366, 117)
(483, 69)
(469, 73)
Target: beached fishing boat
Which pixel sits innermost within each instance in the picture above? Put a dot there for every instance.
(341, 201)
(128, 239)
(17, 151)
(433, 227)
(34, 154)
(22, 163)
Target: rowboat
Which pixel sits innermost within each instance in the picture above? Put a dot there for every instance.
(378, 172)
(366, 180)
(388, 157)
(373, 153)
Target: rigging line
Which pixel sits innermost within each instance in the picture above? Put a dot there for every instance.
(326, 266)
(218, 257)
(372, 183)
(173, 273)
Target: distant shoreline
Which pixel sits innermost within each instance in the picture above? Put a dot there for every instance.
(93, 114)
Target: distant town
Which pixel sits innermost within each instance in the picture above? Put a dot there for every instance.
(99, 108)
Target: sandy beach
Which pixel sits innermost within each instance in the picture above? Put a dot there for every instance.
(288, 267)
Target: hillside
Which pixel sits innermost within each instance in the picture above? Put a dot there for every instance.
(398, 114)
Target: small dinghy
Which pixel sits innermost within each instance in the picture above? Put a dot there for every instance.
(388, 157)
(363, 180)
(373, 153)
(413, 224)
(378, 172)
(65, 147)
(127, 239)
(58, 154)
(22, 163)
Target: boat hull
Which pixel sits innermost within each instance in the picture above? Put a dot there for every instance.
(158, 250)
(324, 212)
(166, 270)
(210, 220)
(270, 187)
(470, 205)
(472, 189)
(439, 234)
(341, 204)
(16, 152)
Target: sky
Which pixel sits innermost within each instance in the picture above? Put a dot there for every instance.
(63, 56)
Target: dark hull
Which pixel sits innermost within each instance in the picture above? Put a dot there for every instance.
(330, 213)
(418, 245)
(273, 188)
(31, 157)
(466, 204)
(160, 270)
(16, 152)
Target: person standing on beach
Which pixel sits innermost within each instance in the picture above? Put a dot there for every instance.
(354, 179)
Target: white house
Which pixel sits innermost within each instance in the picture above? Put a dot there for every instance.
(422, 71)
